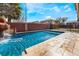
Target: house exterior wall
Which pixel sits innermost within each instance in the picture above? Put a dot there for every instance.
(77, 10)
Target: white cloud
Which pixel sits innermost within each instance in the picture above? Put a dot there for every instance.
(56, 9)
(68, 9)
(34, 8)
(66, 6)
(48, 17)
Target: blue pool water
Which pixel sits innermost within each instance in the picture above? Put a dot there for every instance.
(16, 44)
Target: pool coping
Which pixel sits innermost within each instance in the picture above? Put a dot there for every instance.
(47, 40)
(50, 44)
(44, 42)
(39, 30)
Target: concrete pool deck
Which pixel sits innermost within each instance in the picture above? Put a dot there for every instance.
(66, 44)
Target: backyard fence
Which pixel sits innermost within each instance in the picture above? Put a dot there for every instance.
(22, 27)
(18, 27)
(37, 26)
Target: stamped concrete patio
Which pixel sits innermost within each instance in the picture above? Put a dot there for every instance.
(66, 44)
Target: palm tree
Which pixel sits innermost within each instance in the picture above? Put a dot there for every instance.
(10, 10)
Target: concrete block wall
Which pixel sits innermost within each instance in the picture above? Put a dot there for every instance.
(22, 27)
(36, 26)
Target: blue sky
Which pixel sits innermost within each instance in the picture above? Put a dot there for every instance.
(42, 11)
(24, 11)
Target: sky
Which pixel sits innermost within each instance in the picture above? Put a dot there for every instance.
(24, 11)
(42, 11)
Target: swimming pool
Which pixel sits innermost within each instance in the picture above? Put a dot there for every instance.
(16, 44)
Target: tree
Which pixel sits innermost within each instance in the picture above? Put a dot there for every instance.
(10, 10)
(61, 19)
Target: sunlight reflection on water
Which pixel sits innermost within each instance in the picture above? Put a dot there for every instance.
(4, 41)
